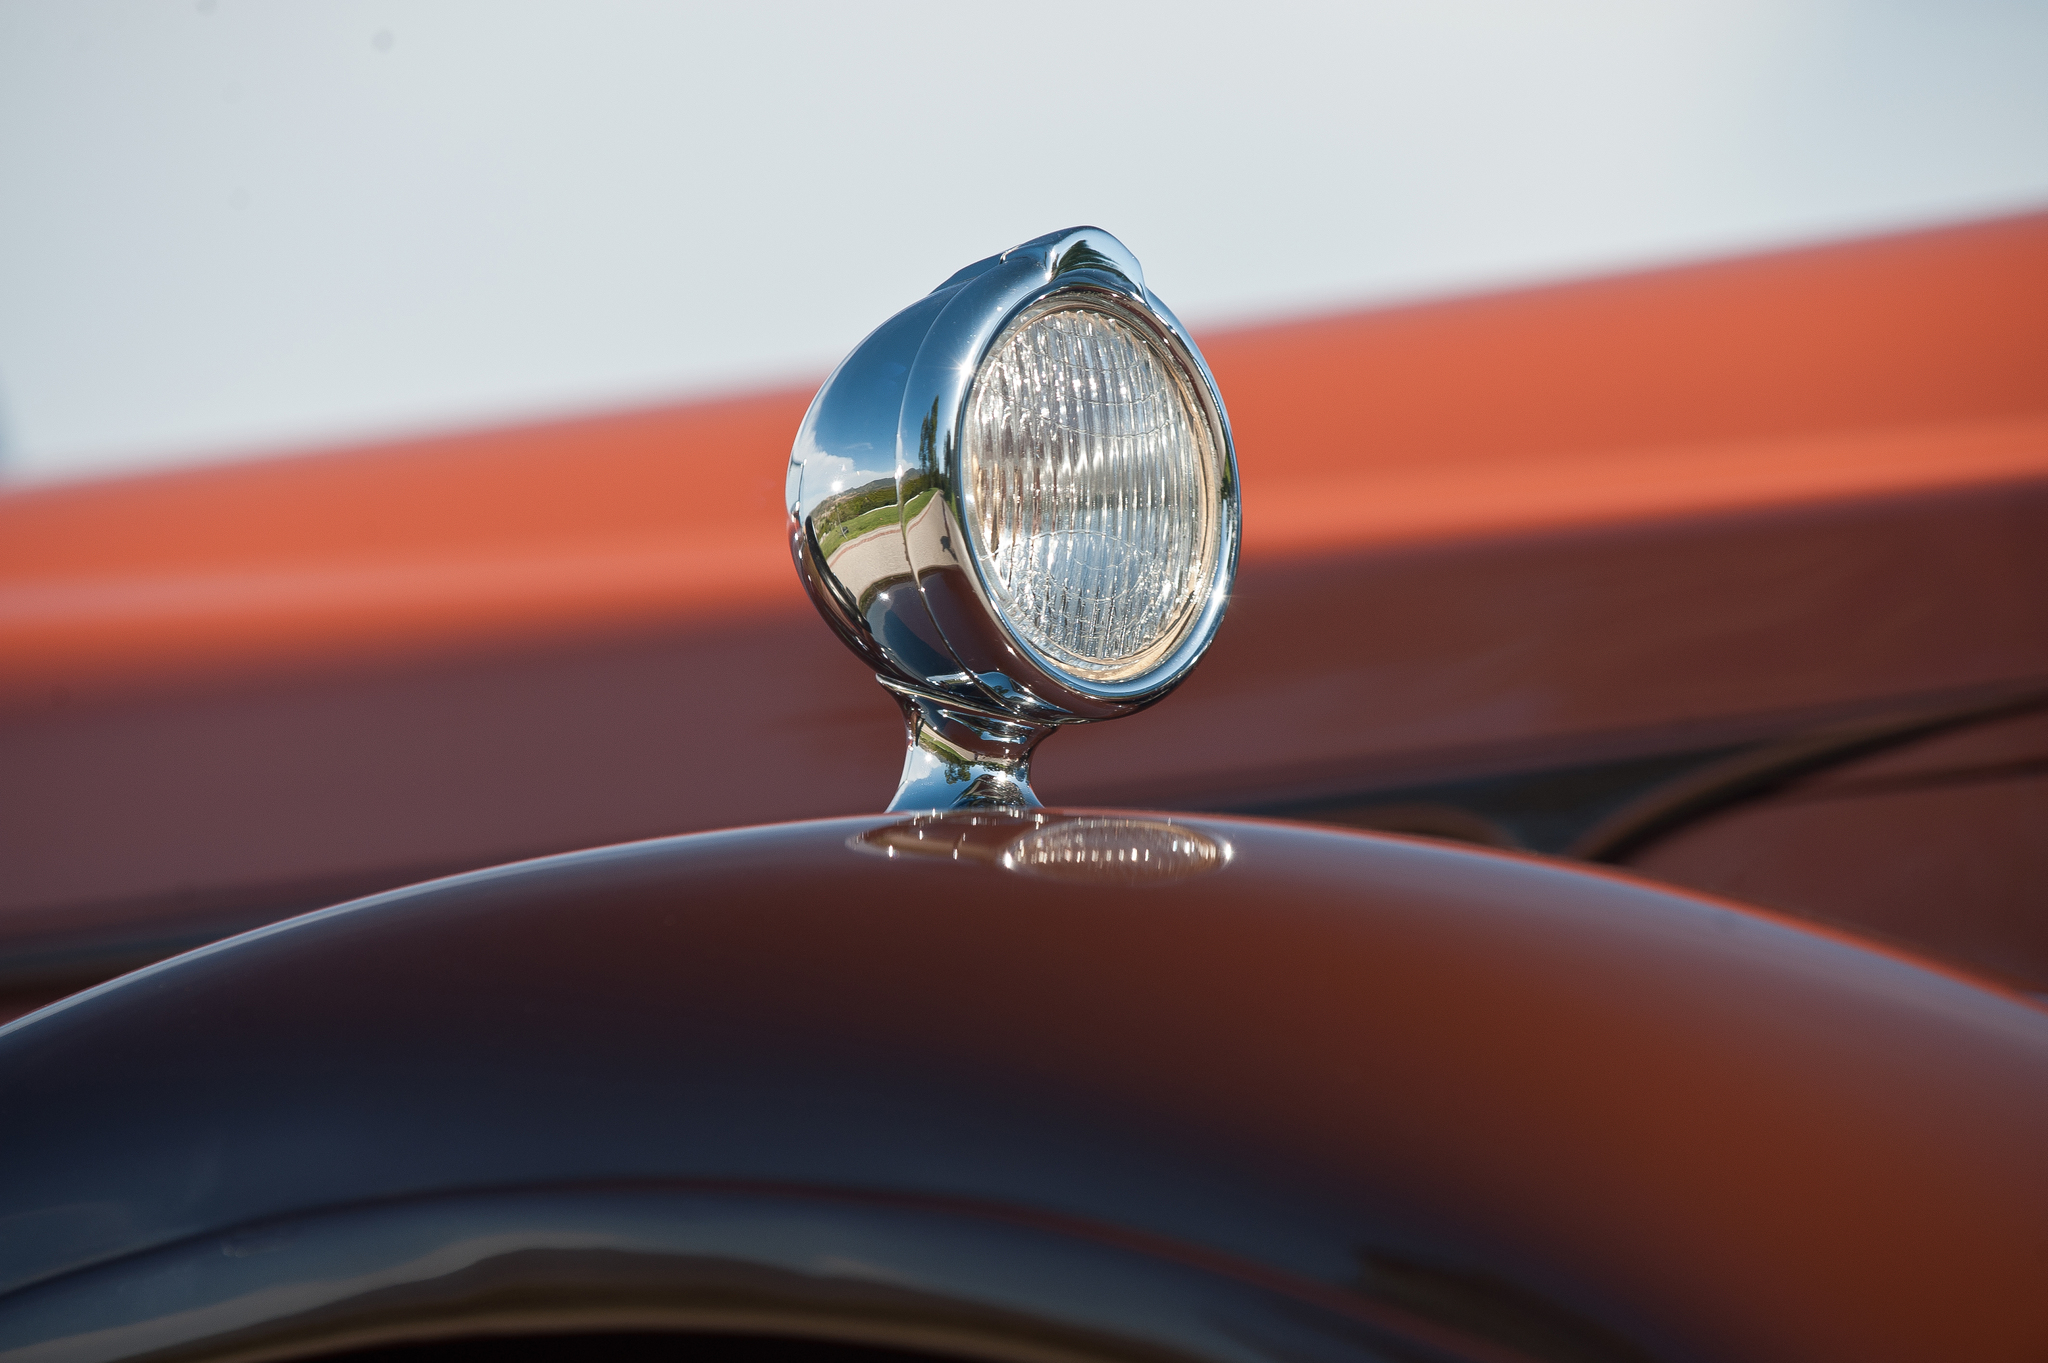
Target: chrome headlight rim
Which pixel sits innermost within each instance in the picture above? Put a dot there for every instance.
(1089, 268)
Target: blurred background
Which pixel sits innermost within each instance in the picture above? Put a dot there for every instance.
(236, 228)
(1642, 409)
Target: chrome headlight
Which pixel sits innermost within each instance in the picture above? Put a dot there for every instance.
(1017, 499)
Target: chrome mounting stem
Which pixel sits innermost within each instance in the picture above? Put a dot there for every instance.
(962, 758)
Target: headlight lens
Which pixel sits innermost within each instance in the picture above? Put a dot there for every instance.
(1093, 476)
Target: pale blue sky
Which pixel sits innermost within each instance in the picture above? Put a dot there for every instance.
(234, 227)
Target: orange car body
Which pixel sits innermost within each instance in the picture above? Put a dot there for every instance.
(1641, 520)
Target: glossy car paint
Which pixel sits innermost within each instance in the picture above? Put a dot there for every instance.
(1955, 824)
(1272, 1092)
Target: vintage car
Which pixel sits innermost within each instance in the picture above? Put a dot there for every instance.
(1679, 642)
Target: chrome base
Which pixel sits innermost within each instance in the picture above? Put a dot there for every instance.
(960, 757)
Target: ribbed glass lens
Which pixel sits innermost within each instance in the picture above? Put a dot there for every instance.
(1093, 477)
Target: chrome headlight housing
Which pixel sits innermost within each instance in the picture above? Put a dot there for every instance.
(1017, 499)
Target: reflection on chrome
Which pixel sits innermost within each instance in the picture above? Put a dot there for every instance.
(1091, 848)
